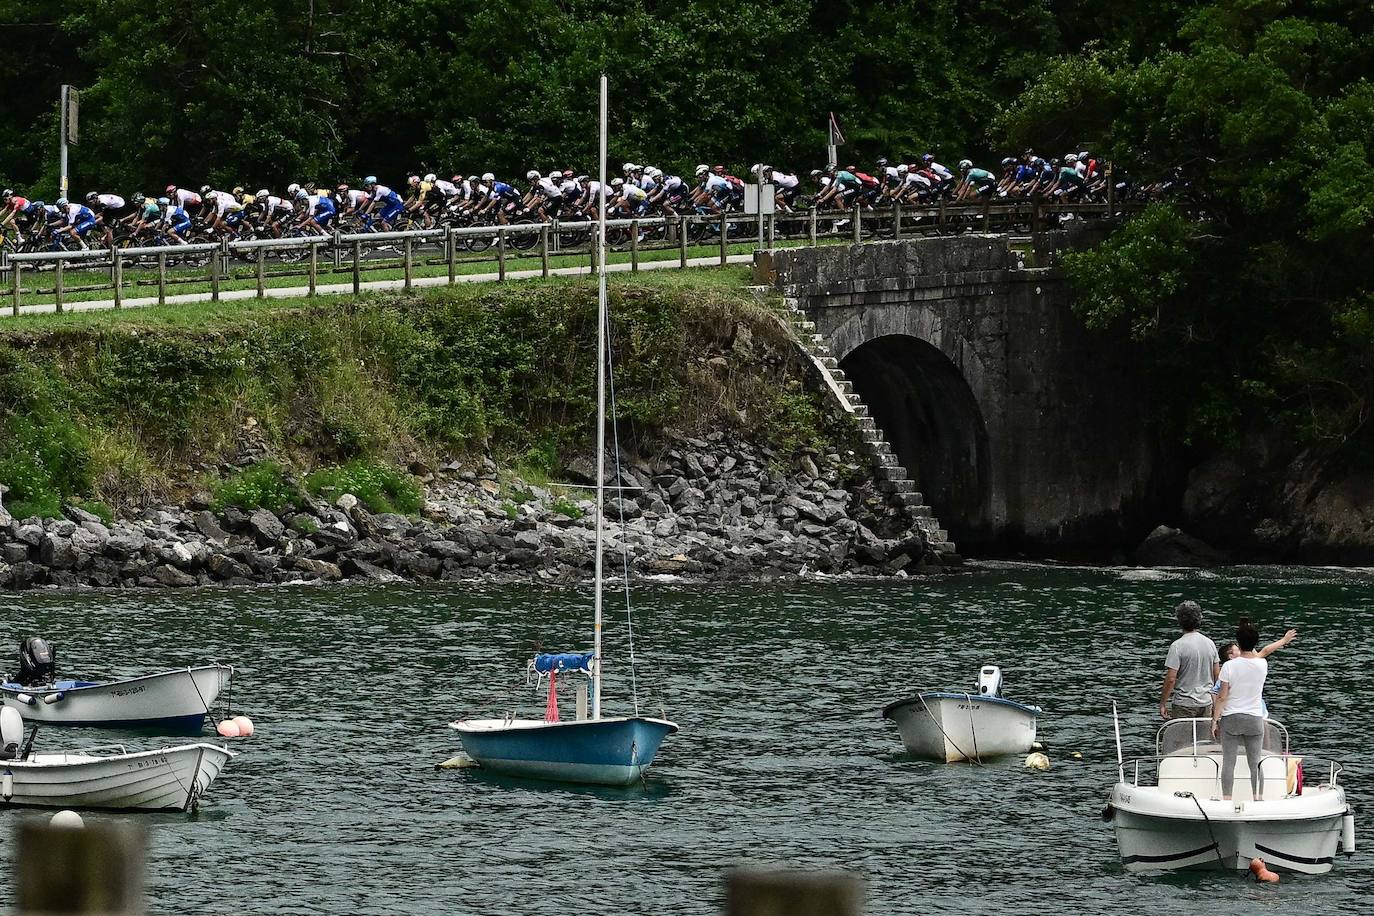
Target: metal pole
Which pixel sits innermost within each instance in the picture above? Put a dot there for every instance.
(452, 254)
(58, 269)
(405, 260)
(601, 321)
(162, 278)
(772, 229)
(62, 140)
(117, 277)
(357, 267)
(544, 249)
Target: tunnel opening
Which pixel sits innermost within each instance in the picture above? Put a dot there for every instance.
(927, 412)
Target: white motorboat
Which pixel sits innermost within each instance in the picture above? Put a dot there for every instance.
(110, 777)
(176, 700)
(1169, 813)
(951, 726)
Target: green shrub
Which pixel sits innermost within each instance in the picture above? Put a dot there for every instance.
(378, 487)
(44, 459)
(564, 506)
(264, 485)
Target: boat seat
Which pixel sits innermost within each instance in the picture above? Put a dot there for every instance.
(1201, 776)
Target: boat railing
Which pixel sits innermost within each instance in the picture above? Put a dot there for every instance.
(1309, 765)
(1194, 734)
(103, 749)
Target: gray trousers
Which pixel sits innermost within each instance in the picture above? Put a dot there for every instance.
(1238, 729)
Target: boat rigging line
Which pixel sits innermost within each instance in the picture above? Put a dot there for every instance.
(951, 741)
(1216, 847)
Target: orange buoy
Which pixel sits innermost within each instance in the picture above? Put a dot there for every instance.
(228, 728)
(245, 725)
(1262, 873)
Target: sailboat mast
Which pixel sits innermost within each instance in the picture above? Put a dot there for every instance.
(601, 323)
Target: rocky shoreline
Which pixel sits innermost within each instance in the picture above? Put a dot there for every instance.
(713, 508)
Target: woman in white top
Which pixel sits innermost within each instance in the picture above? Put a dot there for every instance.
(1238, 713)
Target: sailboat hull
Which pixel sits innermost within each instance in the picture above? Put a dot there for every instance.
(607, 752)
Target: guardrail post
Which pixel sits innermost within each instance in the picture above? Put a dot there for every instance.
(724, 240)
(858, 222)
(451, 255)
(682, 240)
(634, 245)
(58, 267)
(162, 278)
(337, 251)
(357, 267)
(214, 274)
(117, 276)
(314, 264)
(501, 253)
(15, 307)
(405, 260)
(596, 242)
(544, 249)
(811, 228)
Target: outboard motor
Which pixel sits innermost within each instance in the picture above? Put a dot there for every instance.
(990, 681)
(37, 662)
(11, 733)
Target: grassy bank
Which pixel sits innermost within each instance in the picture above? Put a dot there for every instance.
(139, 406)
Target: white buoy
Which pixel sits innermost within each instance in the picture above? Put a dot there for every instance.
(1037, 761)
(228, 728)
(461, 762)
(1348, 833)
(67, 819)
(245, 725)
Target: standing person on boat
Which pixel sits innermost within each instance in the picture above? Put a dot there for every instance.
(1190, 669)
(1238, 714)
(1232, 650)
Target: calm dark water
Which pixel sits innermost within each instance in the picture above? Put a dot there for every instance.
(335, 806)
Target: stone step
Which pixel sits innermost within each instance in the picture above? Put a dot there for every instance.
(838, 374)
(805, 325)
(829, 362)
(866, 423)
(846, 386)
(892, 472)
(900, 485)
(861, 410)
(871, 434)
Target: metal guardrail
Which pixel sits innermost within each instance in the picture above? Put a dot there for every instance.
(810, 225)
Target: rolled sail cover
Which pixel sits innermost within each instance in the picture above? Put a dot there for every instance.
(563, 661)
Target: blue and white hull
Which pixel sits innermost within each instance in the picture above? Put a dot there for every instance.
(177, 701)
(608, 752)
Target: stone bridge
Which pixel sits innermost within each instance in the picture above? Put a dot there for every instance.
(1025, 431)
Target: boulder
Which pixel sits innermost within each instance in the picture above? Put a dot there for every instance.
(56, 552)
(125, 543)
(1167, 546)
(27, 575)
(17, 552)
(266, 528)
(209, 527)
(318, 569)
(79, 515)
(172, 577)
(30, 534)
(225, 567)
(355, 568)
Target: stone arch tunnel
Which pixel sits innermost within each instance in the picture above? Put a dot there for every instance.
(1027, 433)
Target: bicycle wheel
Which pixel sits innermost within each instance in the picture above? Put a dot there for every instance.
(523, 241)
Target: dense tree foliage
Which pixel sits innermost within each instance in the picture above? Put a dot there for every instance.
(1251, 289)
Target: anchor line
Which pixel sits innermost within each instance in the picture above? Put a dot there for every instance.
(974, 758)
(1216, 847)
(973, 732)
(202, 697)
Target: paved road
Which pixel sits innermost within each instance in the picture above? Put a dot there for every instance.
(326, 289)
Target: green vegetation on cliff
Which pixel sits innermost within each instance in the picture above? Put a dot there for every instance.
(131, 407)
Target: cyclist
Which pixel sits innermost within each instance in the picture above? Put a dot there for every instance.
(670, 193)
(12, 206)
(713, 191)
(183, 198)
(108, 209)
(275, 210)
(788, 186)
(843, 187)
(386, 203)
(974, 182)
(351, 201)
(499, 195)
(1067, 181)
(147, 214)
(175, 220)
(75, 220)
(944, 177)
(318, 210)
(223, 208)
(631, 199)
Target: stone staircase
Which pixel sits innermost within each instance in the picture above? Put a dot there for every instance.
(892, 477)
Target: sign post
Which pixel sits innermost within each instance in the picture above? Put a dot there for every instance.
(836, 140)
(759, 199)
(67, 130)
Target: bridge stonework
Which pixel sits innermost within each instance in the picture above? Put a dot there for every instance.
(1025, 430)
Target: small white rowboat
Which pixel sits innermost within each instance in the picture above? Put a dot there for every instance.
(951, 726)
(175, 700)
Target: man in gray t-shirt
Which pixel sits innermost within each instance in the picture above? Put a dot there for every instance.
(1191, 669)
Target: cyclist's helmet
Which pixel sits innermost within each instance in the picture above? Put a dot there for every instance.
(263, 194)
(532, 175)
(1008, 161)
(292, 189)
(1070, 158)
(965, 164)
(6, 194)
(702, 170)
(204, 189)
(617, 182)
(61, 202)
(164, 202)
(629, 167)
(431, 177)
(473, 179)
(582, 179)
(488, 176)
(903, 168)
(413, 180)
(138, 198)
(928, 157)
(882, 163)
(171, 189)
(816, 173)
(342, 188)
(457, 179)
(238, 191)
(369, 181)
(301, 195)
(1084, 155)
(92, 197)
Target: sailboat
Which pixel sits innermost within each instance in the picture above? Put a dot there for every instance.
(594, 748)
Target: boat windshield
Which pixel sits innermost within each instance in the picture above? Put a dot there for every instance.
(1194, 736)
